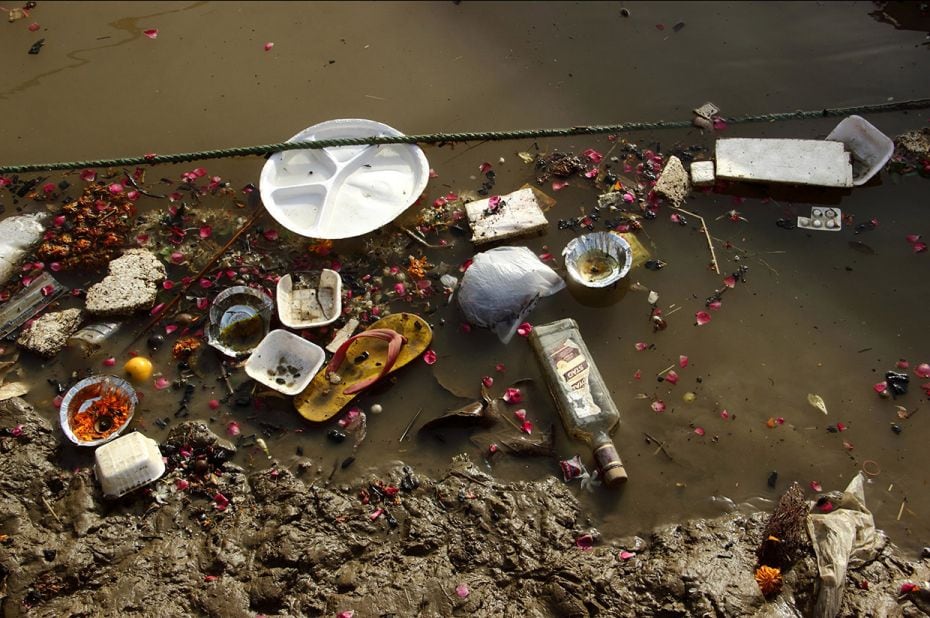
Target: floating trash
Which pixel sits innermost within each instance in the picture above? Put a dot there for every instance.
(97, 409)
(240, 317)
(285, 362)
(309, 301)
(598, 260)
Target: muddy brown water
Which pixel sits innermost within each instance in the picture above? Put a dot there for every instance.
(815, 315)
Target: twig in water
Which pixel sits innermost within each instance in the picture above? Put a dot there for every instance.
(410, 424)
(660, 443)
(58, 519)
(669, 368)
(423, 242)
(901, 510)
(710, 244)
(138, 188)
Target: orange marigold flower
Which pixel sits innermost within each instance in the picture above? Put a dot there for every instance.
(321, 247)
(417, 268)
(769, 579)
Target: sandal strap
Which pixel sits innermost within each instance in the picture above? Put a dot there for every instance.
(395, 341)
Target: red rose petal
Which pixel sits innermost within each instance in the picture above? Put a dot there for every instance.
(912, 238)
(682, 361)
(268, 46)
(593, 155)
(525, 329)
(488, 381)
(484, 168)
(558, 185)
(816, 486)
(109, 362)
(220, 502)
(233, 428)
(922, 370)
(730, 281)
(152, 33)
(880, 387)
(658, 406)
(699, 431)
(919, 247)
(527, 427)
(672, 377)
(115, 188)
(701, 318)
(640, 346)
(213, 404)
(626, 555)
(33, 27)
(429, 357)
(637, 375)
(724, 414)
(513, 395)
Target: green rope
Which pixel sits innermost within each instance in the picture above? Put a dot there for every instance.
(448, 138)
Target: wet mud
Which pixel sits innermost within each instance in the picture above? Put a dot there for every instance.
(395, 544)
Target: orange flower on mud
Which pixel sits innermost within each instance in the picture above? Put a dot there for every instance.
(184, 347)
(769, 580)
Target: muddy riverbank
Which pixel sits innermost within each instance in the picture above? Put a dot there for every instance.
(209, 539)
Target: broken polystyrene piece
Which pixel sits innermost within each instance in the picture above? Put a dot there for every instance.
(702, 173)
(306, 304)
(29, 301)
(505, 216)
(871, 149)
(707, 111)
(342, 334)
(49, 334)
(674, 183)
(788, 161)
(822, 220)
(127, 463)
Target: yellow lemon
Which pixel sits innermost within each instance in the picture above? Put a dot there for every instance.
(138, 368)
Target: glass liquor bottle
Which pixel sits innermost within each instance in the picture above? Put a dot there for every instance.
(584, 403)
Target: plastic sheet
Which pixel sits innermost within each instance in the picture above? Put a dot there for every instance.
(502, 286)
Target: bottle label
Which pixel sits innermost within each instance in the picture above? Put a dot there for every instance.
(573, 369)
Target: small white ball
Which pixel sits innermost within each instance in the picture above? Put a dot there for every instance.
(377, 409)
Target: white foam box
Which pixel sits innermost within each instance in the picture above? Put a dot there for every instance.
(518, 215)
(702, 173)
(127, 463)
(789, 161)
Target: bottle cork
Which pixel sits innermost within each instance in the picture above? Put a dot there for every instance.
(608, 461)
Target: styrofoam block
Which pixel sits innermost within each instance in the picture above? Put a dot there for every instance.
(790, 161)
(127, 463)
(702, 173)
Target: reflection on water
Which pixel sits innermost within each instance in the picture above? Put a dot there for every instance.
(816, 314)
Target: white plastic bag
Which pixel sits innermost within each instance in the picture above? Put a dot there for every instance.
(502, 286)
(17, 235)
(842, 538)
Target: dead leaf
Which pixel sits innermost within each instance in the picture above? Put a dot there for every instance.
(817, 402)
(13, 389)
(524, 156)
(17, 14)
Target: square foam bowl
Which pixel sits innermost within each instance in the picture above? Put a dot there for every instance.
(127, 463)
(285, 362)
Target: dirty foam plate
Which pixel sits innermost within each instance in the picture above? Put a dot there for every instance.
(344, 191)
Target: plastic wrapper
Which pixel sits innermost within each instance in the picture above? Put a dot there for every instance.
(842, 538)
(17, 235)
(502, 286)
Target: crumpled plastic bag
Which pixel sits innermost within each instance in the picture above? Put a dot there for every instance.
(502, 286)
(842, 538)
(17, 235)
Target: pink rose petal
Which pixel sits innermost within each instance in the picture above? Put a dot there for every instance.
(902, 364)
(513, 395)
(593, 155)
(213, 404)
(182, 484)
(638, 374)
(349, 613)
(714, 305)
(912, 238)
(233, 428)
(162, 383)
(880, 387)
(268, 46)
(816, 486)
(220, 502)
(484, 168)
(558, 185)
(500, 368)
(922, 370)
(525, 329)
(429, 357)
(699, 431)
(157, 309)
(152, 33)
(526, 427)
(640, 346)
(115, 188)
(206, 231)
(701, 318)
(826, 507)
(682, 361)
(724, 415)
(272, 235)
(626, 555)
(520, 414)
(919, 247)
(33, 27)
(462, 591)
(109, 362)
(658, 406)
(730, 281)
(487, 381)
(585, 542)
(672, 377)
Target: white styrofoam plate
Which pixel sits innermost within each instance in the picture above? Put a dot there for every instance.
(345, 191)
